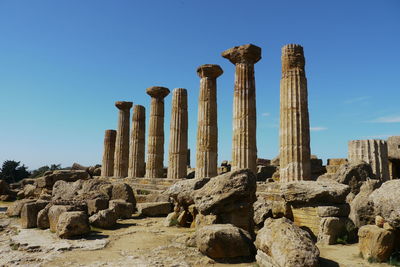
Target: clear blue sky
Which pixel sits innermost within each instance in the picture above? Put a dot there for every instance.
(63, 64)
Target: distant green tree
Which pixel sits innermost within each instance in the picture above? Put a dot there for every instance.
(40, 171)
(12, 172)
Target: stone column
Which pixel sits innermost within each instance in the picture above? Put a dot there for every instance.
(155, 143)
(122, 143)
(178, 142)
(207, 127)
(244, 144)
(374, 152)
(107, 166)
(137, 142)
(294, 120)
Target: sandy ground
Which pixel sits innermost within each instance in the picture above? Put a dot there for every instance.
(134, 242)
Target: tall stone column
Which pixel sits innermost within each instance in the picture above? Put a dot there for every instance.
(374, 152)
(122, 142)
(107, 166)
(155, 143)
(207, 127)
(178, 142)
(137, 142)
(244, 144)
(294, 121)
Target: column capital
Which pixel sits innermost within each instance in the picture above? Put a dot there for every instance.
(248, 53)
(292, 57)
(212, 71)
(123, 105)
(157, 91)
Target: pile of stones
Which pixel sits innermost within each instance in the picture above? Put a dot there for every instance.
(69, 202)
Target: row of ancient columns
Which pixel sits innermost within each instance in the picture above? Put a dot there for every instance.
(294, 126)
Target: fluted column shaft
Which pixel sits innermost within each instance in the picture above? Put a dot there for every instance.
(155, 144)
(207, 126)
(177, 159)
(107, 166)
(137, 142)
(121, 160)
(294, 118)
(374, 152)
(244, 143)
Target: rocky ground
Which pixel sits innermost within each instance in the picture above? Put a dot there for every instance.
(134, 242)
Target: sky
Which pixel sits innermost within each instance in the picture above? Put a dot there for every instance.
(63, 64)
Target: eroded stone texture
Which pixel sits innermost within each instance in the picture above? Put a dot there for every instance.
(137, 143)
(244, 144)
(294, 120)
(107, 167)
(207, 127)
(372, 151)
(155, 142)
(394, 156)
(178, 142)
(121, 159)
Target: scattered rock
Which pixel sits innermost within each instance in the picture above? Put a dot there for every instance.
(43, 221)
(105, 219)
(386, 202)
(224, 241)
(230, 197)
(312, 192)
(30, 212)
(262, 211)
(282, 244)
(361, 208)
(72, 223)
(172, 219)
(375, 244)
(123, 191)
(353, 175)
(96, 205)
(341, 210)
(182, 192)
(122, 208)
(332, 229)
(153, 209)
(14, 210)
(54, 214)
(50, 179)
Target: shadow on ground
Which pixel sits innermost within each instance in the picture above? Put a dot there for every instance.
(328, 263)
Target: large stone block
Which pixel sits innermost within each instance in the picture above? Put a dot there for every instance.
(153, 209)
(72, 223)
(375, 243)
(224, 241)
(386, 202)
(282, 244)
(30, 212)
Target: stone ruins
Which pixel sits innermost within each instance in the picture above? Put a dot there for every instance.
(280, 212)
(207, 127)
(294, 125)
(155, 143)
(374, 152)
(178, 142)
(244, 144)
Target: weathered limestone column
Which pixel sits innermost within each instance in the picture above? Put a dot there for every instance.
(137, 142)
(178, 142)
(294, 121)
(244, 144)
(121, 159)
(107, 166)
(374, 152)
(207, 127)
(155, 143)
